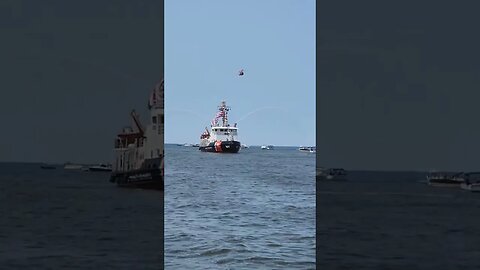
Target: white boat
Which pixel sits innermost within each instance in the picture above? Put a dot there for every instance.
(244, 146)
(307, 149)
(188, 145)
(471, 187)
(445, 179)
(267, 147)
(100, 168)
(472, 182)
(334, 174)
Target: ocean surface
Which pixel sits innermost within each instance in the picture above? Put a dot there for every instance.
(395, 220)
(250, 210)
(65, 219)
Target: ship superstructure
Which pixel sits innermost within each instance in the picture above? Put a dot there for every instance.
(222, 137)
(138, 153)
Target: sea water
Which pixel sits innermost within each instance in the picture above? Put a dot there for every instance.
(71, 219)
(250, 210)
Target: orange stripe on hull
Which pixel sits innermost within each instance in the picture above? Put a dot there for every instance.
(218, 146)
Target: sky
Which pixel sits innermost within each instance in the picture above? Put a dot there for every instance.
(71, 73)
(398, 85)
(208, 42)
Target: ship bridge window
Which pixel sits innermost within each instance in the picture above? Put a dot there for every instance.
(154, 119)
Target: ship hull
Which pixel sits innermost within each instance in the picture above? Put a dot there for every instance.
(444, 183)
(95, 169)
(145, 179)
(221, 147)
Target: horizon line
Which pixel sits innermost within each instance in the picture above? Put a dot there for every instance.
(351, 170)
(259, 145)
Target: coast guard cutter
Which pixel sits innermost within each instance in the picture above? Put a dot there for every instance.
(139, 154)
(222, 138)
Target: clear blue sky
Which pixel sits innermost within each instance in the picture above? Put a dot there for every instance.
(207, 42)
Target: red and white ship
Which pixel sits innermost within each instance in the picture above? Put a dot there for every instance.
(222, 138)
(139, 154)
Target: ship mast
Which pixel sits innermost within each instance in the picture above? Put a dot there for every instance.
(223, 109)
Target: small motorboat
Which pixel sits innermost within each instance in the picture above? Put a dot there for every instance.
(100, 168)
(474, 187)
(244, 146)
(307, 149)
(445, 179)
(267, 147)
(472, 182)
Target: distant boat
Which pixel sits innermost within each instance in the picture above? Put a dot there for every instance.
(267, 147)
(244, 146)
(445, 179)
(71, 166)
(472, 182)
(196, 145)
(100, 168)
(474, 187)
(307, 149)
(188, 145)
(336, 174)
(48, 167)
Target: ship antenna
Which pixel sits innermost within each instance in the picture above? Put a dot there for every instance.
(223, 112)
(225, 117)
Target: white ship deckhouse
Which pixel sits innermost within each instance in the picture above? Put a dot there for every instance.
(138, 153)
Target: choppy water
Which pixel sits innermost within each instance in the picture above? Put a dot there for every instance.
(394, 220)
(58, 219)
(251, 210)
